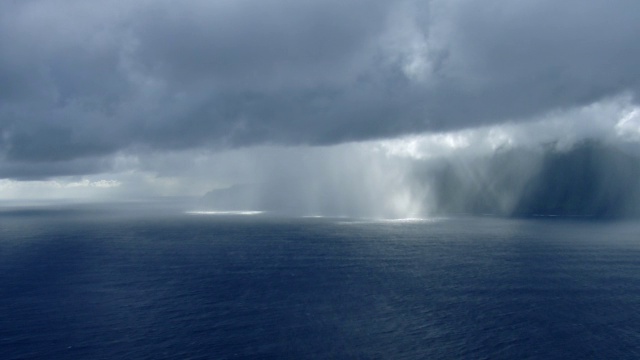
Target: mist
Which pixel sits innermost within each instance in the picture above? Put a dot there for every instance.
(590, 179)
(582, 163)
(544, 168)
(385, 109)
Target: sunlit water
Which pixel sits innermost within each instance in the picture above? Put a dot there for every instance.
(92, 286)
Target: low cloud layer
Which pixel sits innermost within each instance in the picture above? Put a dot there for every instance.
(84, 82)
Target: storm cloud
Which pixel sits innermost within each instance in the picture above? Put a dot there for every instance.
(87, 80)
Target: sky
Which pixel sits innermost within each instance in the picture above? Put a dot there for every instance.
(340, 99)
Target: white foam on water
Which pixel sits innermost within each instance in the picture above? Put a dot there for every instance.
(395, 221)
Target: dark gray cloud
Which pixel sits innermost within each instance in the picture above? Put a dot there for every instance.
(82, 80)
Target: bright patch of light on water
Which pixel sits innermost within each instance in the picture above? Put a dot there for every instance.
(410, 220)
(248, 212)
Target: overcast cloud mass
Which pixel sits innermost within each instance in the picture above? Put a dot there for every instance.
(181, 97)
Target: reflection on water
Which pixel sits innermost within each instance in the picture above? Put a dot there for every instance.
(248, 212)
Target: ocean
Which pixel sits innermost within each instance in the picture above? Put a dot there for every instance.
(78, 284)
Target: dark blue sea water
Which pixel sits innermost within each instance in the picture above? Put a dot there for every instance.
(90, 285)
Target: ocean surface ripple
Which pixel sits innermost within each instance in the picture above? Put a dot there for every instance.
(229, 287)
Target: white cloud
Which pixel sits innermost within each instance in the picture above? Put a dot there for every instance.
(628, 127)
